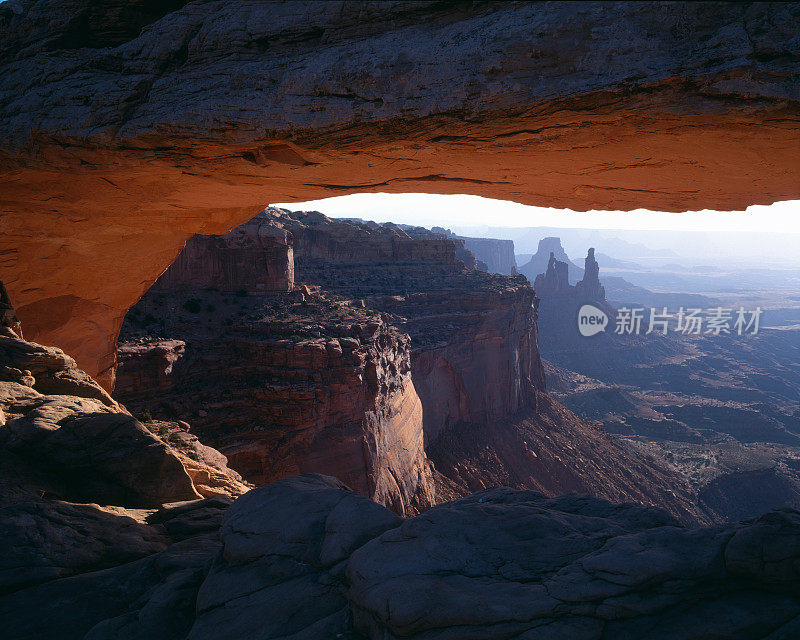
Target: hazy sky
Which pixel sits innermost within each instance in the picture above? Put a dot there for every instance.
(466, 211)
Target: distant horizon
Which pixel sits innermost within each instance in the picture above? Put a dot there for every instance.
(468, 210)
(761, 234)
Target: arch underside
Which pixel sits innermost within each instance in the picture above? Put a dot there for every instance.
(113, 156)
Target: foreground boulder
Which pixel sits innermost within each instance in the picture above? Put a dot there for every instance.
(307, 558)
(499, 564)
(62, 435)
(85, 487)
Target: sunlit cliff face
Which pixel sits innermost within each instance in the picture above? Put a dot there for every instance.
(109, 161)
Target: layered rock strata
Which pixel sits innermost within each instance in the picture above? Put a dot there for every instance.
(476, 367)
(497, 254)
(306, 557)
(475, 356)
(255, 257)
(562, 105)
(283, 385)
(474, 348)
(261, 377)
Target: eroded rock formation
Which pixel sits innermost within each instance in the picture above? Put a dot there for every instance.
(589, 287)
(473, 334)
(255, 257)
(540, 260)
(84, 484)
(306, 557)
(309, 381)
(127, 129)
(561, 302)
(473, 356)
(555, 280)
(282, 384)
(61, 429)
(497, 255)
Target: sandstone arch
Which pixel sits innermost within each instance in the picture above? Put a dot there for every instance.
(114, 153)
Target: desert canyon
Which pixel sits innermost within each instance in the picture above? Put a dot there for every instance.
(225, 419)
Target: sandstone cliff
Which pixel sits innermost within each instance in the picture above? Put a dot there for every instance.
(475, 356)
(309, 381)
(476, 367)
(65, 436)
(282, 385)
(474, 352)
(497, 254)
(138, 126)
(254, 257)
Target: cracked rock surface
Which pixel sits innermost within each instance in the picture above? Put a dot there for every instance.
(307, 558)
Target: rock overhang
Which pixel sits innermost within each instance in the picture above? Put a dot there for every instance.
(112, 156)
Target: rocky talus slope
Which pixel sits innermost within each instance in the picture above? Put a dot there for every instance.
(307, 558)
(142, 123)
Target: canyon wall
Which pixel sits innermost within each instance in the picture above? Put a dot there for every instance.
(282, 384)
(473, 334)
(65, 440)
(475, 356)
(475, 364)
(110, 161)
(255, 257)
(388, 354)
(497, 254)
(321, 241)
(345, 406)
